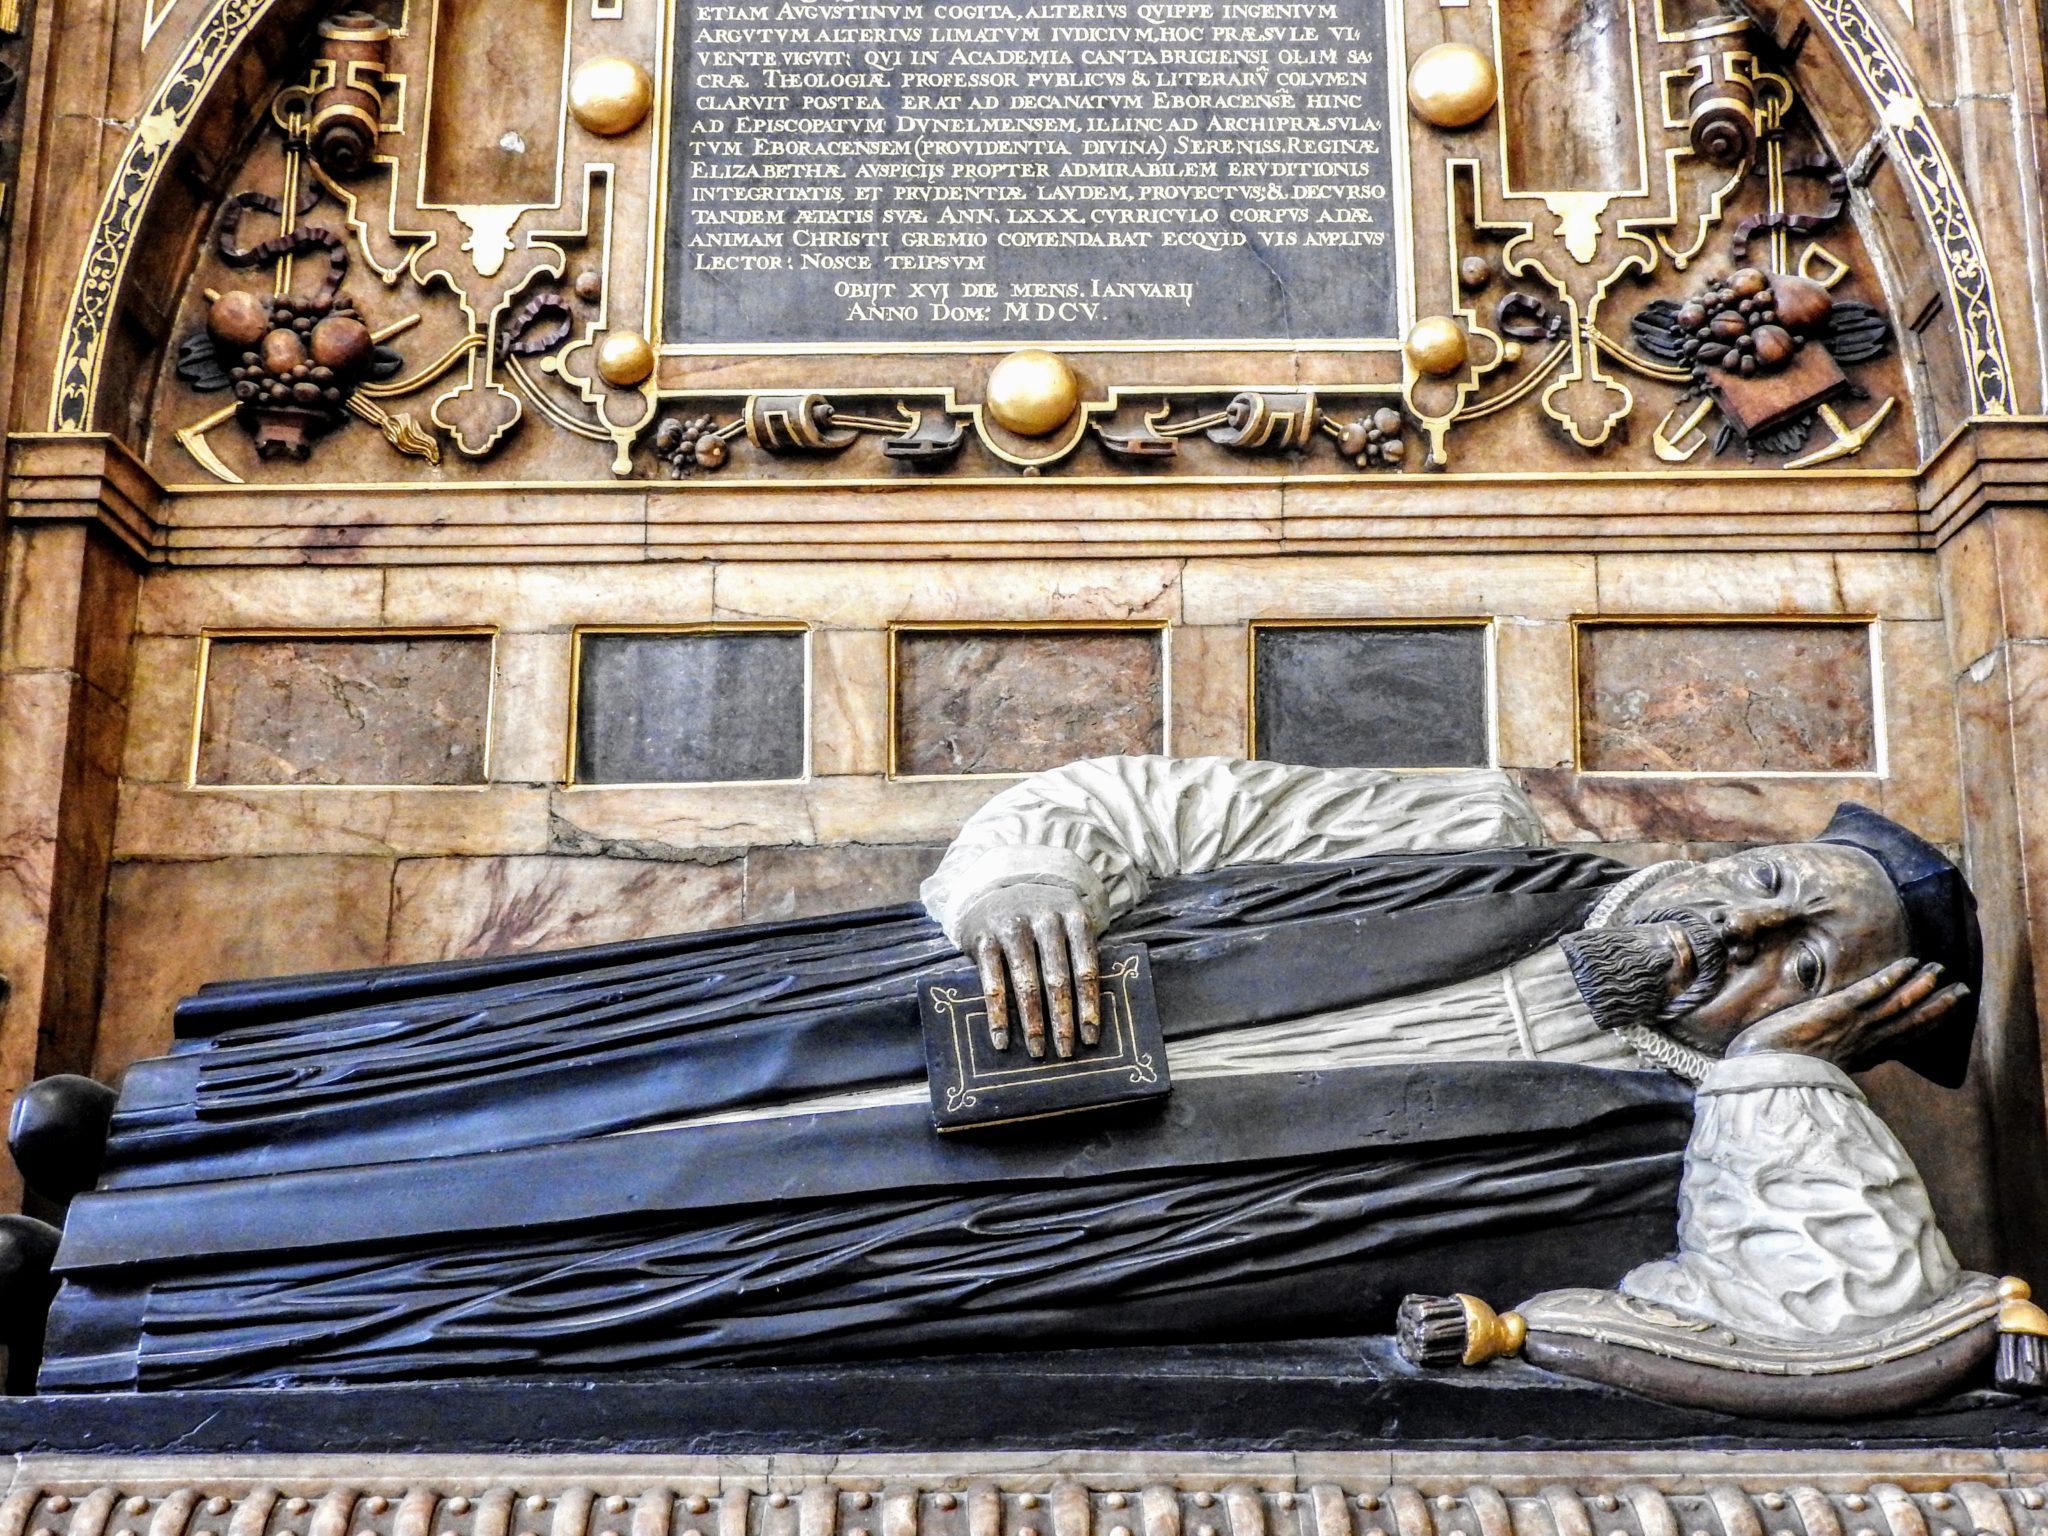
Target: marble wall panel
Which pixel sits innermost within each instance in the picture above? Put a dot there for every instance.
(554, 598)
(1372, 695)
(1895, 585)
(1570, 110)
(2006, 1071)
(849, 701)
(495, 115)
(37, 709)
(1731, 809)
(680, 821)
(1726, 698)
(850, 594)
(2022, 537)
(1019, 700)
(1971, 604)
(171, 927)
(1922, 768)
(163, 687)
(863, 808)
(185, 602)
(383, 709)
(530, 709)
(1532, 674)
(1211, 690)
(170, 821)
(450, 909)
(39, 604)
(1719, 583)
(656, 708)
(809, 882)
(1389, 586)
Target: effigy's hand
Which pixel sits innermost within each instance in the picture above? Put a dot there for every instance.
(1861, 1023)
(1035, 943)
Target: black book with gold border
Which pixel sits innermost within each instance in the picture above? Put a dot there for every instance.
(974, 1084)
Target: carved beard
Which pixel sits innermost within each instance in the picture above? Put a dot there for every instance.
(1622, 972)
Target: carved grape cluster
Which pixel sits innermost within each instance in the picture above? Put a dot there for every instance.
(691, 443)
(1752, 322)
(1375, 440)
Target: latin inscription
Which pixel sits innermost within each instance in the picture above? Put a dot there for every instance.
(918, 171)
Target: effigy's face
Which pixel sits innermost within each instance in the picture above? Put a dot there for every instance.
(1757, 932)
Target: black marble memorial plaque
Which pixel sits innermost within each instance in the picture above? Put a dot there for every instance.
(901, 173)
(688, 708)
(1371, 695)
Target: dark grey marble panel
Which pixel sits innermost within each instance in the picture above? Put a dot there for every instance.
(372, 709)
(1371, 695)
(1019, 700)
(673, 708)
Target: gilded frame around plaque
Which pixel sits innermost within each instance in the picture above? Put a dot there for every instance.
(207, 637)
(1400, 195)
(1870, 623)
(1490, 624)
(566, 777)
(1162, 627)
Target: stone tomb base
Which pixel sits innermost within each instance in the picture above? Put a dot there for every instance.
(1333, 1439)
(1679, 1492)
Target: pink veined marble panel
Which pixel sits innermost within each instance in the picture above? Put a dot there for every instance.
(1017, 700)
(1726, 698)
(359, 709)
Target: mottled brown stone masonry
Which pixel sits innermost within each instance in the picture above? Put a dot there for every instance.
(1017, 701)
(1728, 698)
(410, 709)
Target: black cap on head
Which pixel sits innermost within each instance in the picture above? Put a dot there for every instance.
(1941, 924)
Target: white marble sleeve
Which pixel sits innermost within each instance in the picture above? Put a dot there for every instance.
(1108, 826)
(1800, 1217)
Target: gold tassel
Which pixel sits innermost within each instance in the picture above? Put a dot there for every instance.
(2022, 1338)
(1456, 1330)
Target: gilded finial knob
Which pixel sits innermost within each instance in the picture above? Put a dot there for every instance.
(610, 96)
(624, 359)
(1032, 392)
(1452, 85)
(1436, 346)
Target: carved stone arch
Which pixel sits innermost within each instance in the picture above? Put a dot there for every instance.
(166, 184)
(1861, 55)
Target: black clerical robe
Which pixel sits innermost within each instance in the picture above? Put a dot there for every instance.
(422, 1171)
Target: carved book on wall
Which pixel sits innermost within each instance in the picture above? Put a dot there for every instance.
(974, 1084)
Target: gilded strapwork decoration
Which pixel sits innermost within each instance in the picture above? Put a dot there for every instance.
(1747, 192)
(543, 304)
(1290, 424)
(487, 283)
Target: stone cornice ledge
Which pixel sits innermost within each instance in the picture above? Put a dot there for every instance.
(1036, 519)
(1988, 463)
(90, 478)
